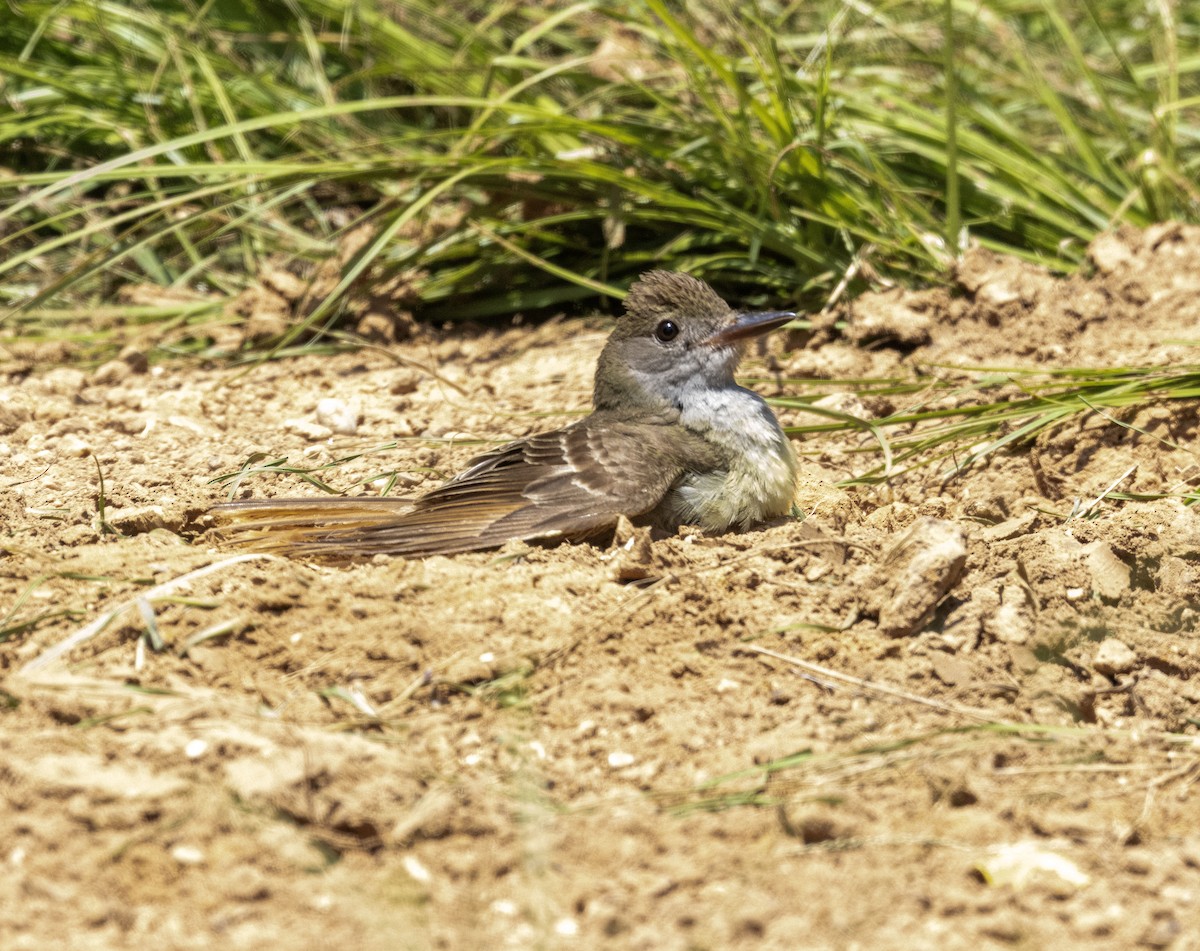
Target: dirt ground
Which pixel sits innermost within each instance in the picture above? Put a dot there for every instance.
(940, 713)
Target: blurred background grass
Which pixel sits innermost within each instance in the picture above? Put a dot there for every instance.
(351, 158)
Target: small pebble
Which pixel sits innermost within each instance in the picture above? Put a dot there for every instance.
(187, 855)
(1162, 933)
(313, 432)
(245, 883)
(404, 381)
(1114, 657)
(620, 760)
(339, 415)
(419, 872)
(64, 380)
(134, 520)
(135, 359)
(916, 573)
(70, 424)
(72, 445)
(195, 748)
(566, 927)
(110, 373)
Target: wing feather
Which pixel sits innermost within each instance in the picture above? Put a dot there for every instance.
(568, 483)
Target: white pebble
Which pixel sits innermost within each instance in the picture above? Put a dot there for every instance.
(1020, 863)
(419, 872)
(538, 750)
(72, 445)
(620, 760)
(567, 927)
(187, 855)
(339, 415)
(195, 748)
(502, 906)
(727, 685)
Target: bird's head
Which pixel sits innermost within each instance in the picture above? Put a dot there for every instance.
(676, 337)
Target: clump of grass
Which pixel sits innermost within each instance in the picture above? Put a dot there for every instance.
(961, 421)
(504, 159)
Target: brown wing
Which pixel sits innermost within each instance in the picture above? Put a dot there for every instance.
(568, 483)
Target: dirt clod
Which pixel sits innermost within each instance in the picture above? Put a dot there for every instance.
(1114, 657)
(918, 571)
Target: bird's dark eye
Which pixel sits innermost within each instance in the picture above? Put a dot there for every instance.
(666, 330)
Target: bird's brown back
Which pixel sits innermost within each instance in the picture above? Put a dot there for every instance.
(569, 483)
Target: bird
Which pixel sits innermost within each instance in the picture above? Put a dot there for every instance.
(672, 440)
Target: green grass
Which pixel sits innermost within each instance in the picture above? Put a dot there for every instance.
(490, 159)
(472, 161)
(962, 421)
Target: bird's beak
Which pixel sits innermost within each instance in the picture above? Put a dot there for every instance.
(749, 325)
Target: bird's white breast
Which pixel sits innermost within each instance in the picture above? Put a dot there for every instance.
(760, 480)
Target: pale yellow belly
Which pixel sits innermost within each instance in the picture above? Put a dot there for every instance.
(759, 487)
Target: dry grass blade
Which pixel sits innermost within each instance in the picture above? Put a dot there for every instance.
(827, 673)
(91, 629)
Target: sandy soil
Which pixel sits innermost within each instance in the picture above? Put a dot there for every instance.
(517, 750)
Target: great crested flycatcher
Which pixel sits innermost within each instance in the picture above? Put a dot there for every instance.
(672, 440)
